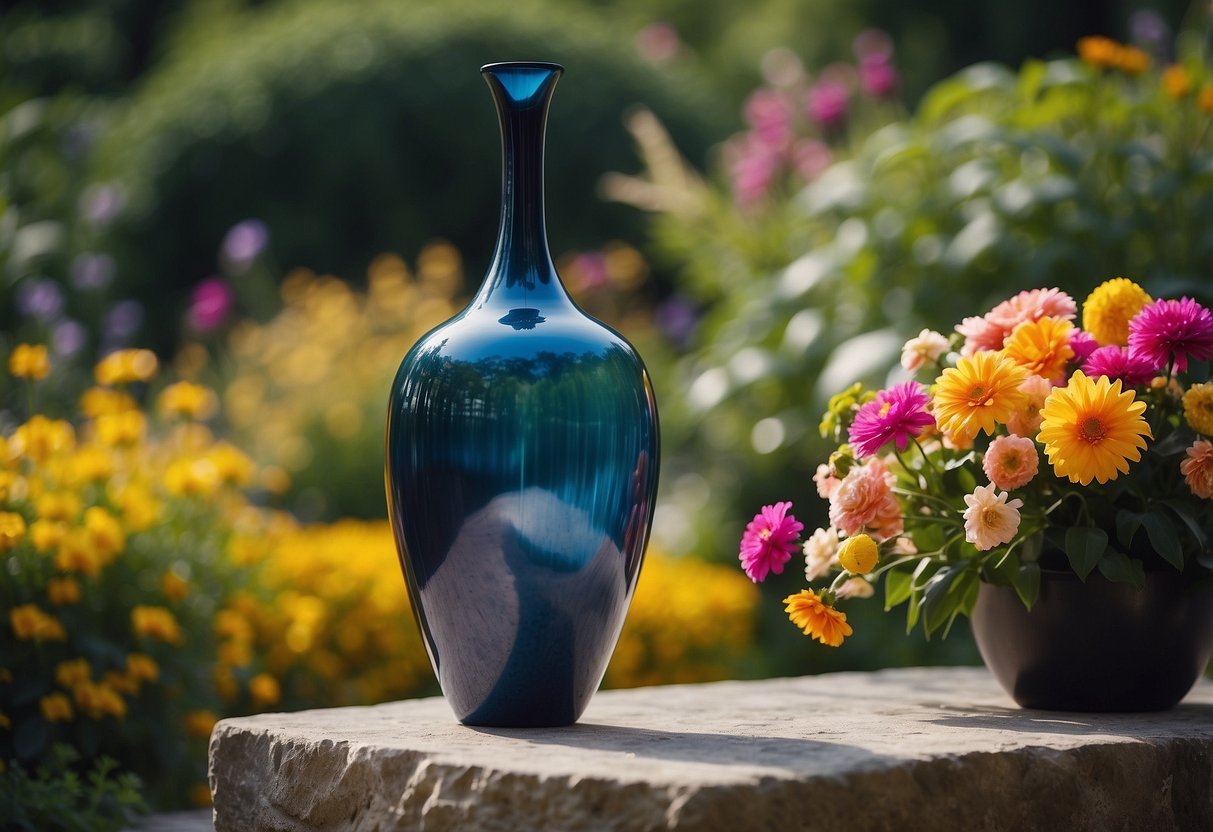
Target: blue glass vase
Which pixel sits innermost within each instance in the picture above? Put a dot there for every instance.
(521, 464)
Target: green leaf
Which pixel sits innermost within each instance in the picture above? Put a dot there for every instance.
(1184, 513)
(912, 611)
(1163, 538)
(938, 600)
(896, 588)
(1027, 584)
(1119, 567)
(1127, 524)
(1084, 547)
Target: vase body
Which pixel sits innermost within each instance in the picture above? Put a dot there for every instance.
(521, 465)
(1099, 645)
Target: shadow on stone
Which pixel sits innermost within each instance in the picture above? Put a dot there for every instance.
(1128, 725)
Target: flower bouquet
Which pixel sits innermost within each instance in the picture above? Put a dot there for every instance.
(1037, 447)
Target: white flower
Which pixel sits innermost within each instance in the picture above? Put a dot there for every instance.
(928, 346)
(820, 553)
(990, 520)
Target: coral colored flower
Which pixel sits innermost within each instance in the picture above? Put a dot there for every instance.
(1119, 363)
(927, 346)
(980, 392)
(29, 361)
(990, 519)
(1198, 408)
(1091, 429)
(1042, 347)
(1083, 343)
(855, 587)
(1108, 309)
(1198, 468)
(820, 553)
(895, 415)
(858, 555)
(1011, 462)
(864, 502)
(768, 541)
(1026, 420)
(826, 481)
(816, 619)
(1169, 331)
(990, 332)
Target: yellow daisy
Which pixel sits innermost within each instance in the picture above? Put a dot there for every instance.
(1107, 311)
(1091, 429)
(980, 392)
(1198, 408)
(814, 618)
(1042, 347)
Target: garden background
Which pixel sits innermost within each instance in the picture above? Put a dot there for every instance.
(227, 221)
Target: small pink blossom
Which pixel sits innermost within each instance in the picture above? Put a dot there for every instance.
(877, 77)
(864, 502)
(1198, 469)
(1011, 462)
(990, 519)
(895, 415)
(768, 541)
(828, 102)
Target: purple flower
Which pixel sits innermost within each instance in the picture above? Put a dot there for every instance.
(210, 304)
(244, 243)
(677, 319)
(1149, 30)
(1172, 331)
(877, 77)
(68, 338)
(100, 204)
(768, 541)
(1083, 343)
(1119, 363)
(123, 320)
(895, 415)
(40, 298)
(92, 271)
(770, 114)
(828, 102)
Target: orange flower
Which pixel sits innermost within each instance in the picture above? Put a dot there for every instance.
(264, 689)
(815, 618)
(1042, 347)
(1198, 469)
(157, 623)
(1176, 82)
(29, 361)
(980, 392)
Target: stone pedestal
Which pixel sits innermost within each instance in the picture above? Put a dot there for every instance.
(914, 749)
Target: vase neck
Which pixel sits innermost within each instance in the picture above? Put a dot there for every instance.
(521, 273)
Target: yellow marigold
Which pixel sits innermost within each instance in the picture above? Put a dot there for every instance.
(140, 510)
(29, 361)
(122, 682)
(12, 530)
(62, 506)
(200, 723)
(1107, 311)
(104, 532)
(12, 486)
(142, 667)
(126, 366)
(1205, 99)
(62, 591)
(1198, 408)
(232, 464)
(78, 554)
(157, 623)
(41, 438)
(264, 689)
(56, 707)
(120, 430)
(1176, 82)
(71, 673)
(90, 464)
(814, 618)
(858, 555)
(1132, 60)
(231, 624)
(174, 586)
(1099, 52)
(244, 550)
(188, 400)
(192, 478)
(101, 401)
(97, 700)
(1042, 347)
(47, 534)
(225, 682)
(980, 392)
(31, 623)
(1091, 429)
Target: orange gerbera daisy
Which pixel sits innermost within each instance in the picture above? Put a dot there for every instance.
(1042, 347)
(815, 618)
(980, 392)
(1091, 429)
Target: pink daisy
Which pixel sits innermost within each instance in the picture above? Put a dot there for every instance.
(768, 541)
(895, 415)
(1011, 462)
(1119, 363)
(989, 332)
(1169, 331)
(864, 502)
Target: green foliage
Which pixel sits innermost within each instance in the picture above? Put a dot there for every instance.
(55, 798)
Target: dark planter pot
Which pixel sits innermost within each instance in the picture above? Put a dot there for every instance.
(1099, 645)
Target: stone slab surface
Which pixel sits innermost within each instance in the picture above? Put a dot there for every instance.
(939, 748)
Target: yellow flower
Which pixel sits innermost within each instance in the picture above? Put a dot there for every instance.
(56, 708)
(97, 699)
(12, 530)
(104, 532)
(264, 689)
(157, 623)
(232, 464)
(12, 486)
(980, 392)
(31, 623)
(101, 401)
(188, 400)
(78, 554)
(126, 366)
(174, 586)
(192, 478)
(139, 509)
(62, 591)
(1092, 430)
(1042, 347)
(200, 723)
(123, 429)
(29, 361)
(90, 465)
(142, 667)
(71, 673)
(58, 505)
(41, 438)
(814, 618)
(1198, 408)
(1205, 99)
(47, 534)
(1107, 311)
(858, 554)
(1176, 82)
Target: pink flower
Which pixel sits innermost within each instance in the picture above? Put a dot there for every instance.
(752, 168)
(768, 541)
(1169, 331)
(990, 519)
(1011, 462)
(928, 345)
(820, 553)
(1026, 421)
(770, 114)
(210, 304)
(810, 157)
(989, 332)
(877, 77)
(864, 502)
(981, 335)
(1198, 469)
(1083, 344)
(1119, 363)
(828, 102)
(895, 415)
(826, 481)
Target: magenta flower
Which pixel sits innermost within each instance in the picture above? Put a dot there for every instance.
(877, 77)
(769, 540)
(752, 168)
(210, 304)
(1083, 343)
(895, 415)
(770, 114)
(828, 101)
(1172, 331)
(1119, 363)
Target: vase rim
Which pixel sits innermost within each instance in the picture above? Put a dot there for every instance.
(554, 67)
